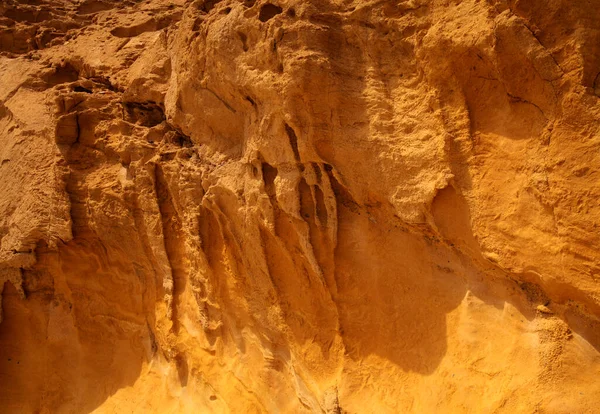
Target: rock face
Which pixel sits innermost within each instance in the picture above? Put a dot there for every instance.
(300, 206)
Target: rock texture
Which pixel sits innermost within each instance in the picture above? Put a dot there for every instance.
(300, 206)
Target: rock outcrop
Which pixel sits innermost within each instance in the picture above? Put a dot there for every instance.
(299, 206)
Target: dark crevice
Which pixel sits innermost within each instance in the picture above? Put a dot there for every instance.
(268, 11)
(293, 141)
(244, 40)
(518, 99)
(81, 89)
(197, 24)
(182, 369)
(222, 100)
(207, 5)
(103, 80)
(597, 85)
(318, 173)
(342, 195)
(321, 209)
(307, 207)
(269, 173)
(184, 141)
(152, 337)
(146, 114)
(78, 128)
(180, 139)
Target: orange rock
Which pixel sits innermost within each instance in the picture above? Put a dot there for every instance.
(299, 206)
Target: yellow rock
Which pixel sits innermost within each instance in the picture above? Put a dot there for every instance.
(299, 206)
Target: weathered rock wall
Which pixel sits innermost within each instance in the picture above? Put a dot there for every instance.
(300, 206)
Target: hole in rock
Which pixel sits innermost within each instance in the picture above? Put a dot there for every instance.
(268, 11)
(197, 23)
(62, 74)
(207, 5)
(147, 114)
(269, 174)
(183, 140)
(81, 89)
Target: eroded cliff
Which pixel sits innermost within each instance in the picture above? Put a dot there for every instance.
(299, 206)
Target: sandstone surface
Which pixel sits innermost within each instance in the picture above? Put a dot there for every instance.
(320, 206)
